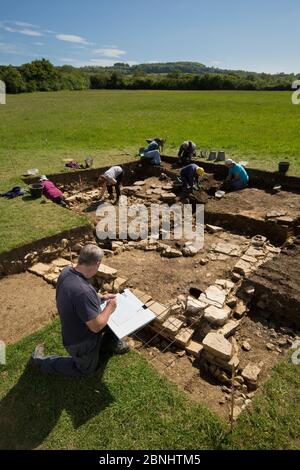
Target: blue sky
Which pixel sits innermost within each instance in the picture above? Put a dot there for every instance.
(255, 35)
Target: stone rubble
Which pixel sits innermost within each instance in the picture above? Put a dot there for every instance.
(215, 316)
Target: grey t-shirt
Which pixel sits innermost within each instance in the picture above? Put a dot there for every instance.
(113, 173)
(77, 303)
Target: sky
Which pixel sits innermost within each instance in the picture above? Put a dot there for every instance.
(259, 36)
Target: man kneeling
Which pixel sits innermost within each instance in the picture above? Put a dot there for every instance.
(237, 176)
(85, 332)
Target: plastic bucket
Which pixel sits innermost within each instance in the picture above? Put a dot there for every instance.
(283, 167)
(212, 156)
(36, 190)
(221, 156)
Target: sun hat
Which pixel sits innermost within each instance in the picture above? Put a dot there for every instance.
(229, 162)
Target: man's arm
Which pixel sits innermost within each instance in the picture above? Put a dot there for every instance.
(236, 176)
(103, 190)
(98, 323)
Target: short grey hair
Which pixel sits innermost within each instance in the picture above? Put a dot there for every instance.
(90, 255)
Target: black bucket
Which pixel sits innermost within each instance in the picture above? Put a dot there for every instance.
(283, 167)
(36, 190)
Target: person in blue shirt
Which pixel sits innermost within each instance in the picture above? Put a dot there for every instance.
(152, 152)
(190, 175)
(237, 176)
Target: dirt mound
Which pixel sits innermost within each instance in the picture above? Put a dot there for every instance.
(277, 285)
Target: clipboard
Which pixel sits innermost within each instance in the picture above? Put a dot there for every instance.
(130, 315)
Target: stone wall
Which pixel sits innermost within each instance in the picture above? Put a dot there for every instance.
(277, 286)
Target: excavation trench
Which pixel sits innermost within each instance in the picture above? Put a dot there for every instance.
(233, 287)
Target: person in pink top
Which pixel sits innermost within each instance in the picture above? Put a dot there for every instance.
(51, 192)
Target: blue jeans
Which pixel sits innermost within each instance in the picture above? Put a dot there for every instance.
(187, 182)
(154, 155)
(84, 359)
(238, 184)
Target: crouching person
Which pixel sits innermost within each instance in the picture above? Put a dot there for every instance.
(186, 152)
(191, 175)
(85, 333)
(152, 152)
(112, 178)
(50, 191)
(237, 176)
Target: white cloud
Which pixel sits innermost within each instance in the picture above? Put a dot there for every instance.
(10, 30)
(29, 32)
(92, 62)
(39, 43)
(72, 38)
(6, 48)
(80, 47)
(109, 52)
(25, 25)
(26, 31)
(215, 63)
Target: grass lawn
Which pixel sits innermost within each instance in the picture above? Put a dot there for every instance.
(22, 221)
(38, 130)
(130, 406)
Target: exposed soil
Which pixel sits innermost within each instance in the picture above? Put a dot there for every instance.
(257, 203)
(27, 304)
(277, 285)
(164, 278)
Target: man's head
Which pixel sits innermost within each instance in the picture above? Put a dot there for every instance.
(107, 180)
(89, 260)
(43, 178)
(229, 162)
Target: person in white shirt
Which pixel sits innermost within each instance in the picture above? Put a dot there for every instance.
(112, 178)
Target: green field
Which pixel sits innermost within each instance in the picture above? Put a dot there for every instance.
(130, 406)
(38, 130)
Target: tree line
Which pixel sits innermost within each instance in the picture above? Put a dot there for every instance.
(41, 75)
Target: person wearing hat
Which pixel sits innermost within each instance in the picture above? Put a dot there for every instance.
(50, 191)
(111, 178)
(190, 175)
(186, 152)
(237, 176)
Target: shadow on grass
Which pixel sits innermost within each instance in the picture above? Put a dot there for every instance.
(94, 206)
(32, 408)
(28, 197)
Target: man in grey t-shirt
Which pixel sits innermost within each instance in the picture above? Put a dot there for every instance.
(112, 178)
(186, 152)
(83, 322)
